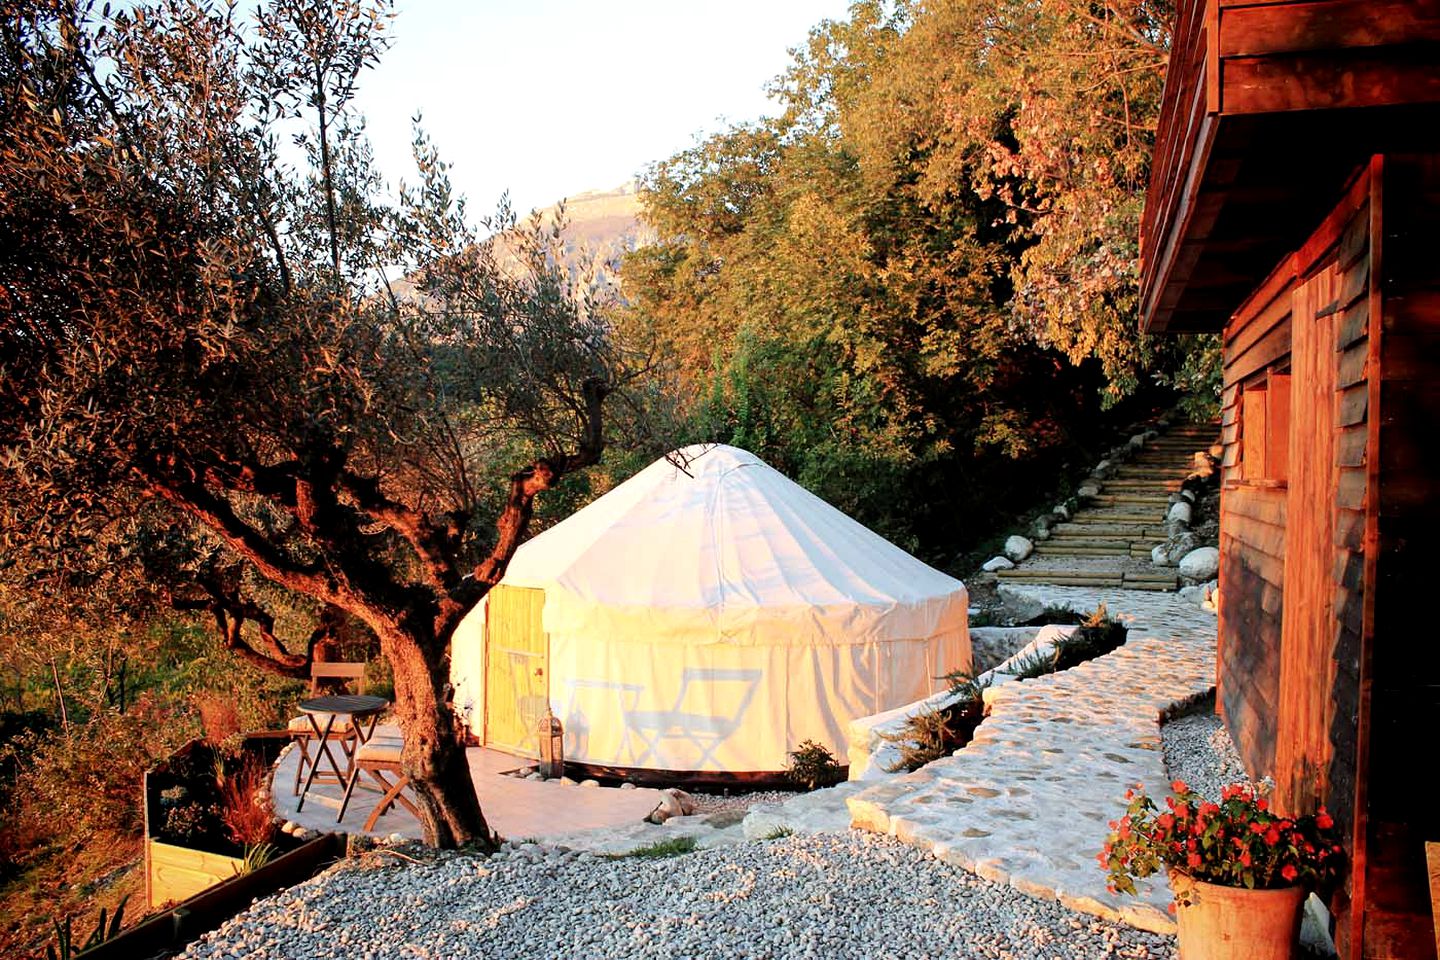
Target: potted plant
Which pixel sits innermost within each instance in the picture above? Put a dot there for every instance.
(1239, 870)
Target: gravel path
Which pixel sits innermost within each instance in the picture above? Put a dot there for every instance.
(848, 895)
(1198, 750)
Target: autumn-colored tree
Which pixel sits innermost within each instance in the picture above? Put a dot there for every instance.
(893, 289)
(209, 387)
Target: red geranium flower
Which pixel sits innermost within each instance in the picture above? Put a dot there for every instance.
(1289, 872)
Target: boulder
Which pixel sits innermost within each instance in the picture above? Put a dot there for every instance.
(673, 803)
(1137, 442)
(1180, 513)
(1061, 511)
(1177, 546)
(1160, 557)
(1040, 529)
(1103, 469)
(997, 563)
(1195, 595)
(1188, 496)
(1016, 605)
(1088, 490)
(1017, 548)
(1200, 564)
(589, 783)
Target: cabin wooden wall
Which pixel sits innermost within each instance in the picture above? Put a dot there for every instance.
(1293, 627)
(1404, 667)
(1252, 535)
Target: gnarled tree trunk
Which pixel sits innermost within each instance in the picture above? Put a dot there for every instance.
(434, 755)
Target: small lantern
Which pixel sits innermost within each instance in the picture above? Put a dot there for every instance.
(552, 747)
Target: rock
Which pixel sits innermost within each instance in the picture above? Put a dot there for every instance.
(1103, 469)
(673, 803)
(1159, 556)
(997, 563)
(1177, 546)
(1217, 451)
(1211, 588)
(627, 785)
(396, 838)
(1088, 490)
(567, 781)
(1040, 528)
(1195, 595)
(1017, 548)
(1200, 564)
(1017, 606)
(1061, 511)
(1188, 496)
(1180, 513)
(1137, 442)
(1151, 435)
(289, 826)
(537, 775)
(589, 783)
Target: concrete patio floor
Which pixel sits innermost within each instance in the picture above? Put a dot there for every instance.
(517, 809)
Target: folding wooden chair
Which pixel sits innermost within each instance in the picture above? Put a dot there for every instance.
(380, 755)
(326, 674)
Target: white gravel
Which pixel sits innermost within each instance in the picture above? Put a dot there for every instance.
(836, 895)
(711, 803)
(1198, 750)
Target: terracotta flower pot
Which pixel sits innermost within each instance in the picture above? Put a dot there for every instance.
(1233, 923)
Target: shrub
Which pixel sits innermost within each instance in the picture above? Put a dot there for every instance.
(246, 807)
(927, 736)
(219, 717)
(813, 766)
(1238, 842)
(89, 780)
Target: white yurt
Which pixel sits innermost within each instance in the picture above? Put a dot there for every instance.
(703, 619)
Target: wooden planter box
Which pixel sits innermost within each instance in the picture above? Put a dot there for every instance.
(171, 929)
(174, 873)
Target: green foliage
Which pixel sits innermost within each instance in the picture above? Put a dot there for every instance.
(660, 849)
(928, 736)
(64, 946)
(812, 766)
(256, 856)
(779, 833)
(1238, 842)
(88, 781)
(921, 275)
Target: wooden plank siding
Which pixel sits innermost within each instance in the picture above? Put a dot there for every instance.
(1293, 552)
(1247, 81)
(1404, 660)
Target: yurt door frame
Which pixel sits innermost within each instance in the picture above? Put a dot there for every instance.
(517, 669)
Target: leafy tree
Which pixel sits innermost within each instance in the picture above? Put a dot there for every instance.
(840, 286)
(211, 393)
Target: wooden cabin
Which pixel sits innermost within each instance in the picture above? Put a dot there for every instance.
(1294, 209)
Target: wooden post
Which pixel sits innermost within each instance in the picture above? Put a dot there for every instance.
(1432, 858)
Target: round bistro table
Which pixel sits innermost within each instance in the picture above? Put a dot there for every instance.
(322, 713)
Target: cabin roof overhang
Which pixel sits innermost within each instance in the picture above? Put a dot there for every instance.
(1269, 107)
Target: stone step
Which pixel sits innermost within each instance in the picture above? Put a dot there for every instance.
(1082, 552)
(1137, 485)
(1086, 531)
(1115, 543)
(1138, 499)
(1039, 573)
(1065, 578)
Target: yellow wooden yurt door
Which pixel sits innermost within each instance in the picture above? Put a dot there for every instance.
(517, 683)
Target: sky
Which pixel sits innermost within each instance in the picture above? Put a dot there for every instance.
(549, 98)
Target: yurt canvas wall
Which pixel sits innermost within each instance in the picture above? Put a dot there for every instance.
(705, 619)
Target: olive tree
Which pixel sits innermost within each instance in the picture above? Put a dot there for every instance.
(232, 361)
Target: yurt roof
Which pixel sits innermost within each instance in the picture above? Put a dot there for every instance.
(712, 545)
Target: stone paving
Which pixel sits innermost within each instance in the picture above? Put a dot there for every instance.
(1029, 801)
